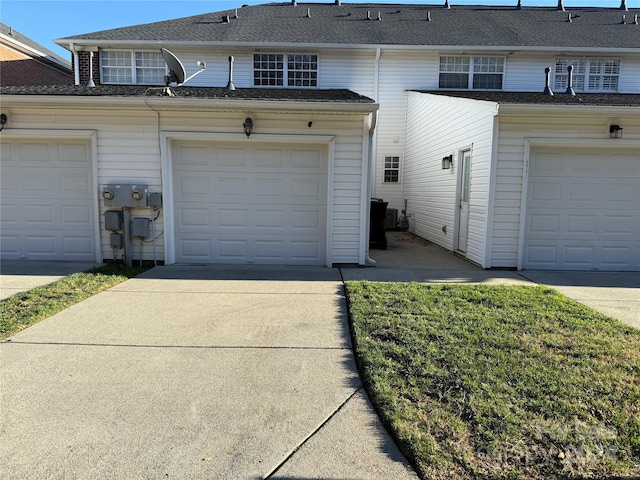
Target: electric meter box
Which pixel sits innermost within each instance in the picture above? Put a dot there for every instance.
(125, 195)
(140, 227)
(113, 220)
(115, 240)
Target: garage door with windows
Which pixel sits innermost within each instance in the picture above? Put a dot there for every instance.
(583, 210)
(249, 203)
(47, 201)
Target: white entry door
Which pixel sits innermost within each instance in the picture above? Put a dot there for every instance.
(463, 200)
(250, 203)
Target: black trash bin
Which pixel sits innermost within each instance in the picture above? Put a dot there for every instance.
(377, 224)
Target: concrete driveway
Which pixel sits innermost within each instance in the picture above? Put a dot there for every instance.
(616, 294)
(21, 275)
(194, 372)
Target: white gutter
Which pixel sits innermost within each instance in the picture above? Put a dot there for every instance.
(190, 104)
(76, 63)
(349, 46)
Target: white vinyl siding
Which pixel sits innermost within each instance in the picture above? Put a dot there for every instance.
(510, 165)
(128, 151)
(437, 127)
(128, 67)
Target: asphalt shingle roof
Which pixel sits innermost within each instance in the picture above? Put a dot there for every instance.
(534, 98)
(269, 94)
(400, 24)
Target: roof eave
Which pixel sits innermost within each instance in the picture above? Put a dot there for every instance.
(190, 104)
(531, 109)
(79, 43)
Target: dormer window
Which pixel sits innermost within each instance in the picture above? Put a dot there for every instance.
(129, 67)
(290, 70)
(471, 73)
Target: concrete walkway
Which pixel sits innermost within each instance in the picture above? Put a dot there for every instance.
(194, 372)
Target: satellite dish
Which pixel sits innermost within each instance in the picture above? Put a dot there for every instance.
(177, 72)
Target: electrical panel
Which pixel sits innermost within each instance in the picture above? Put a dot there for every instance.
(140, 227)
(125, 195)
(116, 240)
(113, 220)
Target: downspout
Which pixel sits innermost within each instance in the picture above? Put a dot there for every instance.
(76, 63)
(372, 156)
(370, 166)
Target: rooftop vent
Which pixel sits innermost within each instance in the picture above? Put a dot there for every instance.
(338, 2)
(379, 16)
(235, 14)
(623, 5)
(560, 5)
(225, 19)
(230, 85)
(624, 20)
(519, 6)
(294, 3)
(428, 16)
(446, 4)
(635, 19)
(547, 81)
(570, 81)
(308, 15)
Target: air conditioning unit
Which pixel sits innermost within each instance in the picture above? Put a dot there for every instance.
(392, 219)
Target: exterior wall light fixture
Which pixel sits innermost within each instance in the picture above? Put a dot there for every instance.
(248, 127)
(447, 162)
(615, 131)
(3, 120)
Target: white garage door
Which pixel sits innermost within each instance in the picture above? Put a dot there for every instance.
(249, 203)
(583, 210)
(47, 200)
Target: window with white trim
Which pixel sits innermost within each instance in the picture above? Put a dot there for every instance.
(471, 73)
(279, 70)
(589, 74)
(130, 67)
(391, 169)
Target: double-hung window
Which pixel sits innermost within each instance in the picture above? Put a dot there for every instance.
(471, 73)
(391, 169)
(589, 74)
(130, 67)
(280, 70)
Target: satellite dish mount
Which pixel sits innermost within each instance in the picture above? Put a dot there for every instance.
(177, 73)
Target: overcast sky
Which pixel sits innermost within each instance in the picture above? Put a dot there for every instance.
(45, 20)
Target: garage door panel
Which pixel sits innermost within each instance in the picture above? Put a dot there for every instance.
(581, 214)
(261, 203)
(47, 200)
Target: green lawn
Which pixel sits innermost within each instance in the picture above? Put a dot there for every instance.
(510, 382)
(23, 309)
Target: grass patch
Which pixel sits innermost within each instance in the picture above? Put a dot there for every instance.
(496, 382)
(24, 309)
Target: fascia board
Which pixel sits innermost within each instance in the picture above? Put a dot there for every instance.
(509, 110)
(190, 104)
(79, 43)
